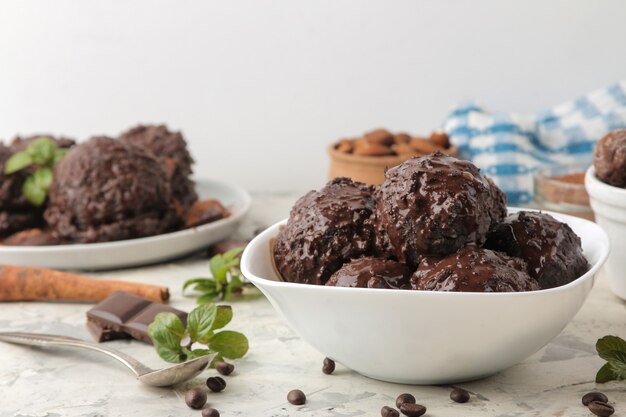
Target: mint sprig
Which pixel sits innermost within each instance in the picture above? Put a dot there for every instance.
(225, 278)
(41, 154)
(613, 350)
(174, 342)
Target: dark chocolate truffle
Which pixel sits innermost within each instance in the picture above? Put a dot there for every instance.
(434, 205)
(473, 269)
(551, 249)
(171, 150)
(325, 229)
(609, 158)
(106, 190)
(370, 272)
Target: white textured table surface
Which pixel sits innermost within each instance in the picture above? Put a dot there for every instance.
(63, 382)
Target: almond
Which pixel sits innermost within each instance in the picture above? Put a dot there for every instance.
(379, 137)
(404, 149)
(364, 148)
(401, 138)
(424, 146)
(345, 146)
(440, 138)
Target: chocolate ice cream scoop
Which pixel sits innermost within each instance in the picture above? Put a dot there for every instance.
(434, 205)
(325, 229)
(551, 249)
(370, 272)
(609, 158)
(105, 190)
(171, 150)
(473, 269)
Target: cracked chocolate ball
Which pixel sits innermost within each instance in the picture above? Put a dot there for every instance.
(435, 205)
(105, 190)
(171, 151)
(551, 249)
(472, 269)
(325, 229)
(609, 158)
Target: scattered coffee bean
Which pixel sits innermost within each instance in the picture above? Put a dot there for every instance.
(459, 395)
(329, 366)
(210, 412)
(296, 397)
(404, 398)
(594, 396)
(412, 410)
(601, 409)
(224, 368)
(216, 383)
(195, 398)
(389, 412)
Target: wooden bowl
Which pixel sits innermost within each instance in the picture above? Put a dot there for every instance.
(367, 169)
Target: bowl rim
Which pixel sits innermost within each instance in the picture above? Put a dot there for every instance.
(601, 240)
(600, 190)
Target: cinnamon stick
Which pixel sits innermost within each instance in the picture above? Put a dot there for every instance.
(20, 283)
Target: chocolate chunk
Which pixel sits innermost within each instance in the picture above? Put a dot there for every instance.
(126, 314)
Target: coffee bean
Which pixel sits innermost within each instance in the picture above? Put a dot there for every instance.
(296, 397)
(412, 410)
(195, 398)
(594, 396)
(224, 368)
(601, 409)
(459, 395)
(210, 412)
(404, 398)
(216, 383)
(329, 366)
(389, 412)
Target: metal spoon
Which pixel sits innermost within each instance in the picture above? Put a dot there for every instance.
(158, 378)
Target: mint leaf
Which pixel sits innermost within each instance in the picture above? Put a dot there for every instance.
(42, 150)
(229, 344)
(166, 332)
(616, 359)
(606, 374)
(196, 353)
(59, 153)
(43, 177)
(33, 192)
(200, 321)
(223, 316)
(608, 343)
(17, 162)
(233, 254)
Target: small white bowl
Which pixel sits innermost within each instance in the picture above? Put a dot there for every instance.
(609, 205)
(425, 337)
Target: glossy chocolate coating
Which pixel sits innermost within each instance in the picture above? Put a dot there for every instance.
(473, 269)
(105, 190)
(171, 151)
(609, 158)
(551, 249)
(434, 205)
(370, 272)
(325, 229)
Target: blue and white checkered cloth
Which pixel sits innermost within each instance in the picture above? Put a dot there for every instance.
(509, 147)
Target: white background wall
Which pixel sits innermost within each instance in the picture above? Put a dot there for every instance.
(260, 87)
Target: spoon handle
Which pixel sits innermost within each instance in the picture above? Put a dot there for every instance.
(39, 339)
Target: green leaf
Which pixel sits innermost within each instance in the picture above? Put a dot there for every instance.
(196, 282)
(230, 344)
(43, 177)
(42, 150)
(167, 329)
(17, 162)
(606, 374)
(200, 321)
(170, 355)
(608, 343)
(223, 316)
(233, 254)
(207, 298)
(616, 359)
(59, 153)
(196, 353)
(33, 192)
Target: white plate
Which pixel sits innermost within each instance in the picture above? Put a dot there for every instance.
(142, 251)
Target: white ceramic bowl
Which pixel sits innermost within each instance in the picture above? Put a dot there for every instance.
(609, 205)
(425, 337)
